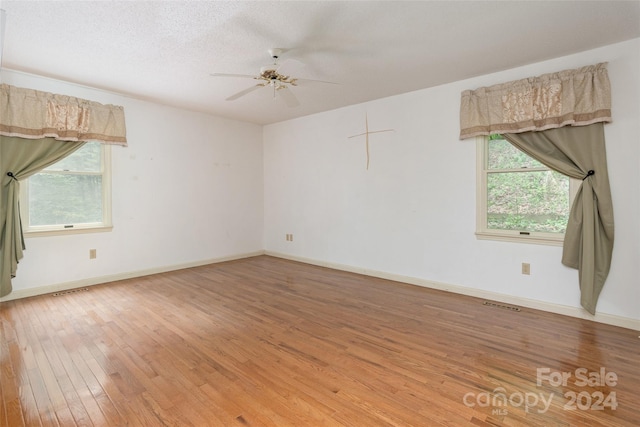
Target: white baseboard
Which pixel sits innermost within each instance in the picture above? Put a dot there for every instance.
(608, 319)
(42, 290)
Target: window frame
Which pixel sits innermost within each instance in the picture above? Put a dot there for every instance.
(65, 229)
(484, 233)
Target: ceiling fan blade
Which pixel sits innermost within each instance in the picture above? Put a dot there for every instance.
(288, 96)
(306, 82)
(246, 91)
(233, 75)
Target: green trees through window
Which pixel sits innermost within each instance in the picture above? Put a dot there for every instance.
(70, 192)
(65, 198)
(521, 193)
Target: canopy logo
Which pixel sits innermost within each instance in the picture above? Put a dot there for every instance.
(499, 400)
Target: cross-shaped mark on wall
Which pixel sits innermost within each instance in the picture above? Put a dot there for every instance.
(366, 133)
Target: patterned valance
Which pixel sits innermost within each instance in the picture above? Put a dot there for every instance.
(32, 114)
(572, 97)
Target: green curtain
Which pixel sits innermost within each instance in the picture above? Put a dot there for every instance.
(579, 152)
(19, 159)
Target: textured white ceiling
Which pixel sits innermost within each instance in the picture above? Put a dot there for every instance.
(166, 51)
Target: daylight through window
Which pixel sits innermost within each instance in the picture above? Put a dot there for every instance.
(519, 197)
(72, 194)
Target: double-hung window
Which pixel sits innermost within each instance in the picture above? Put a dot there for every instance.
(519, 198)
(72, 195)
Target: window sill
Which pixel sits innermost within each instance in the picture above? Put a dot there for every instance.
(536, 239)
(35, 232)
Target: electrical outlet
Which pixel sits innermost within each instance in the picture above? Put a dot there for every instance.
(92, 254)
(526, 268)
(289, 237)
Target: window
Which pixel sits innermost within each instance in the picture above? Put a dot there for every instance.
(520, 199)
(71, 195)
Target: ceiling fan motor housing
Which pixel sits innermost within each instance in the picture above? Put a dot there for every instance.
(269, 72)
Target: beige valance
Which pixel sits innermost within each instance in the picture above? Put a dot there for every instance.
(31, 114)
(572, 97)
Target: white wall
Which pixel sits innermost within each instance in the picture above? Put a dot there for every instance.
(413, 212)
(187, 189)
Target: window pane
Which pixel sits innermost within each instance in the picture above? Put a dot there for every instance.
(59, 199)
(503, 155)
(528, 201)
(85, 159)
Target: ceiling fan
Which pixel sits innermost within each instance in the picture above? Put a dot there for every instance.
(278, 77)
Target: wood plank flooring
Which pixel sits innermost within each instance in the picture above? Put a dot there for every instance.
(269, 342)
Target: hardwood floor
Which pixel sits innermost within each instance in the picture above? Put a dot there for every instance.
(270, 342)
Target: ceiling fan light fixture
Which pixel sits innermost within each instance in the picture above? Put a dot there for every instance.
(268, 68)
